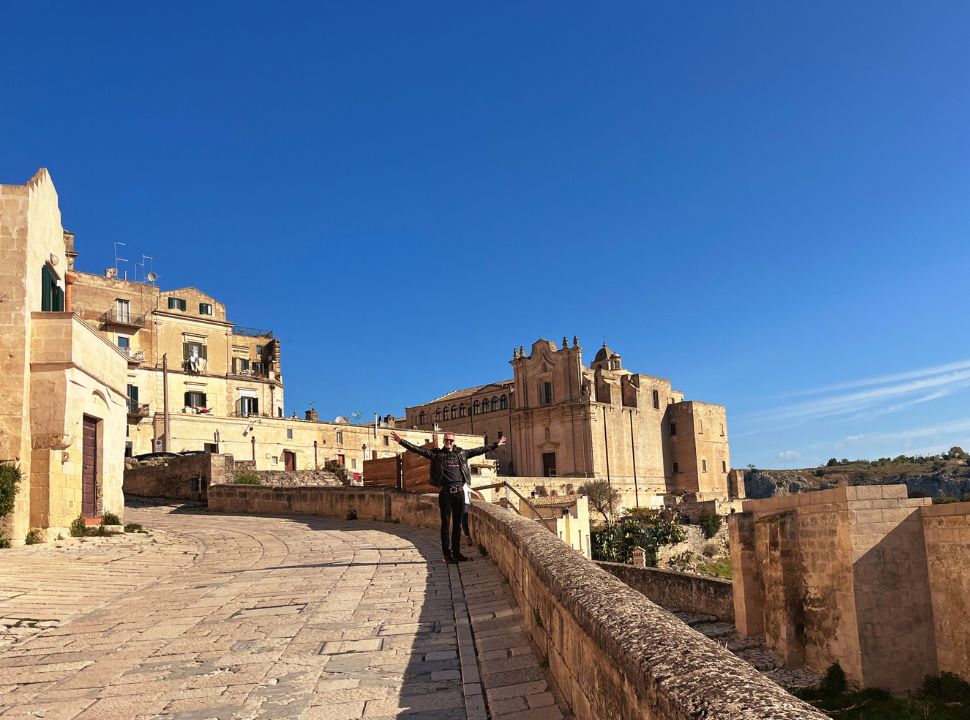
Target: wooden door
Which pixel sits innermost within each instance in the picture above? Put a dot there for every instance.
(89, 467)
(549, 464)
(289, 461)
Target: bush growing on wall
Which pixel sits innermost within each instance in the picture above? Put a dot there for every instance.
(9, 485)
(710, 523)
(615, 542)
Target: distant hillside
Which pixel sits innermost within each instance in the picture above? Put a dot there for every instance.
(945, 475)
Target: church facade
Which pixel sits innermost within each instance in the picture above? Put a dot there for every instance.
(568, 420)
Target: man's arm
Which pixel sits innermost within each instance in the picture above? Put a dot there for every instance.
(423, 452)
(485, 448)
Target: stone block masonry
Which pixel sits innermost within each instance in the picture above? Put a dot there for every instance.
(863, 576)
(678, 591)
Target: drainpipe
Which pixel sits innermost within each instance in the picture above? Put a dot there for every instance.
(254, 451)
(165, 415)
(633, 450)
(316, 465)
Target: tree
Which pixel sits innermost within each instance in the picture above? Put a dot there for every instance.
(602, 497)
(832, 462)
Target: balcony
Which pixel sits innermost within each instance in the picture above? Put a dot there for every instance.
(249, 373)
(135, 357)
(118, 318)
(138, 409)
(251, 332)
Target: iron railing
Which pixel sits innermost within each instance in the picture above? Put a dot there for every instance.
(251, 332)
(116, 317)
(138, 409)
(134, 356)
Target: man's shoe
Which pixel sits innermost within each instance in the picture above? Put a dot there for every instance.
(448, 558)
(461, 558)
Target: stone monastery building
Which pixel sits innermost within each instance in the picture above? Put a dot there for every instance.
(567, 420)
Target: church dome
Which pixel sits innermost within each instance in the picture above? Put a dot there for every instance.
(604, 353)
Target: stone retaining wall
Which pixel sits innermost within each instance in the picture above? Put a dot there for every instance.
(678, 591)
(282, 478)
(946, 529)
(179, 478)
(612, 652)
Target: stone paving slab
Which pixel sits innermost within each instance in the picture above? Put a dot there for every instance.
(246, 617)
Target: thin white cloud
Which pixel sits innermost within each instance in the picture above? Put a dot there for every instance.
(853, 438)
(884, 379)
(788, 455)
(855, 402)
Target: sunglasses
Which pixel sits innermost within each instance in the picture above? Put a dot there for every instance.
(449, 440)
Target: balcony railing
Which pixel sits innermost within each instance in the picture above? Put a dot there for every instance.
(116, 317)
(137, 409)
(251, 332)
(250, 373)
(134, 356)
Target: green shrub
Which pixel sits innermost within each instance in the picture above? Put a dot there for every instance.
(710, 523)
(134, 528)
(615, 543)
(4, 543)
(9, 485)
(102, 531)
(966, 497)
(947, 688)
(247, 479)
(834, 681)
(110, 519)
(78, 527)
(944, 500)
(33, 537)
(352, 514)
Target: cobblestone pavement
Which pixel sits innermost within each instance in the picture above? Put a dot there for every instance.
(224, 617)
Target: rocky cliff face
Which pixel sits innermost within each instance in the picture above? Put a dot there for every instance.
(953, 482)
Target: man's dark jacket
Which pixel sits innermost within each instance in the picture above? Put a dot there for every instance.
(437, 461)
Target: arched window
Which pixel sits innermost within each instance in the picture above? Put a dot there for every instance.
(475, 409)
(503, 402)
(461, 411)
(446, 416)
(485, 405)
(437, 414)
(494, 404)
(421, 418)
(454, 412)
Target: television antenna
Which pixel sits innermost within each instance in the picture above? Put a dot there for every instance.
(356, 415)
(119, 259)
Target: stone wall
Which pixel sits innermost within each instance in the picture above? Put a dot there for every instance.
(838, 575)
(282, 478)
(182, 478)
(612, 652)
(678, 591)
(947, 532)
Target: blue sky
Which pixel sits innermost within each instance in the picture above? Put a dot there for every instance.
(765, 202)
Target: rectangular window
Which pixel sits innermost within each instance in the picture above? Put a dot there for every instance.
(723, 466)
(175, 303)
(673, 429)
(248, 406)
(193, 349)
(194, 398)
(700, 426)
(122, 311)
(656, 399)
(124, 342)
(276, 459)
(545, 393)
(132, 398)
(353, 464)
(676, 468)
(289, 434)
(52, 294)
(703, 465)
(205, 309)
(240, 366)
(340, 437)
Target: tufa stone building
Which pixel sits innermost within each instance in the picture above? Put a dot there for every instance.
(567, 420)
(63, 409)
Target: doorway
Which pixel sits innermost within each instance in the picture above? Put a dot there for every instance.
(289, 460)
(89, 467)
(549, 464)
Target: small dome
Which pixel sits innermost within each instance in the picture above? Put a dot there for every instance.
(604, 353)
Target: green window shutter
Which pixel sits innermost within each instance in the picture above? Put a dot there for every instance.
(45, 289)
(188, 398)
(202, 398)
(255, 406)
(133, 393)
(171, 303)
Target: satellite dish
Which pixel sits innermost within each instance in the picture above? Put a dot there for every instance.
(152, 277)
(111, 272)
(340, 419)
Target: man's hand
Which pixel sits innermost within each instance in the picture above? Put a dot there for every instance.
(397, 438)
(502, 440)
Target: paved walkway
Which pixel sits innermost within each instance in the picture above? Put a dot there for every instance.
(225, 617)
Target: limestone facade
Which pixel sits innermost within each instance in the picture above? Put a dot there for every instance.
(567, 420)
(63, 408)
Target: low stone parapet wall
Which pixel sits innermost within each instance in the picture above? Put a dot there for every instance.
(613, 653)
(678, 591)
(284, 478)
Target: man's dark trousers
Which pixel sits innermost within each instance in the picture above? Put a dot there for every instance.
(452, 505)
